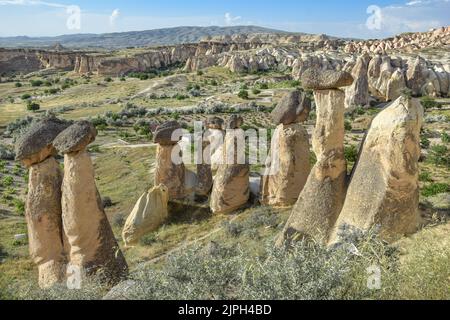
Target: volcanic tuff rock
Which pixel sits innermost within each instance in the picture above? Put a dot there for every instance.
(44, 221)
(37, 143)
(325, 80)
(148, 214)
(384, 189)
(322, 198)
(164, 132)
(93, 246)
(76, 137)
(293, 107)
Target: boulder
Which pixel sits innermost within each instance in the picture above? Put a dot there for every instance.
(316, 79)
(384, 189)
(322, 198)
(287, 166)
(148, 214)
(293, 107)
(44, 221)
(164, 133)
(76, 137)
(36, 144)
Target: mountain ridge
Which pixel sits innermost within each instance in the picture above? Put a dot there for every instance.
(118, 40)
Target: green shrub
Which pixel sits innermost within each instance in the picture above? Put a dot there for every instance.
(429, 103)
(33, 106)
(351, 153)
(435, 188)
(256, 91)
(425, 176)
(199, 72)
(439, 155)
(26, 96)
(36, 83)
(7, 181)
(445, 137)
(148, 239)
(348, 125)
(424, 142)
(108, 79)
(243, 94)
(18, 84)
(264, 86)
(19, 206)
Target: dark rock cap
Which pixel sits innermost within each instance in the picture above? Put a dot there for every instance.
(76, 137)
(214, 123)
(164, 132)
(325, 79)
(235, 122)
(39, 136)
(293, 107)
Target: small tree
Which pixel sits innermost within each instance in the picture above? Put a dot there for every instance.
(33, 106)
(243, 94)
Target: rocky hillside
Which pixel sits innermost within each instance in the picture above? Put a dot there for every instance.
(167, 36)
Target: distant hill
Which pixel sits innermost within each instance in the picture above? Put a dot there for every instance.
(167, 36)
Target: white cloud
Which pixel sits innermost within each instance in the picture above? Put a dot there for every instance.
(416, 15)
(113, 17)
(32, 3)
(231, 20)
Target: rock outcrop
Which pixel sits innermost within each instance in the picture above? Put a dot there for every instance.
(287, 165)
(93, 247)
(43, 204)
(148, 214)
(384, 189)
(169, 170)
(322, 198)
(357, 95)
(231, 189)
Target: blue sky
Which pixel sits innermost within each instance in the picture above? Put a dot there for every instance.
(340, 18)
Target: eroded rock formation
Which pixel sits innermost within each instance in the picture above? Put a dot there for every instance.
(170, 170)
(322, 198)
(43, 204)
(231, 189)
(93, 246)
(148, 214)
(287, 165)
(384, 189)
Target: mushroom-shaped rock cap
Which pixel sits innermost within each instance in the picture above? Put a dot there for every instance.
(76, 137)
(164, 132)
(37, 143)
(293, 107)
(214, 123)
(235, 122)
(325, 79)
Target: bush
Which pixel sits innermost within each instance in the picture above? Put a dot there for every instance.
(26, 96)
(439, 155)
(425, 177)
(429, 103)
(33, 106)
(264, 86)
(7, 181)
(243, 94)
(108, 79)
(351, 153)
(19, 206)
(434, 189)
(445, 137)
(199, 72)
(348, 125)
(36, 83)
(424, 142)
(6, 153)
(256, 91)
(18, 85)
